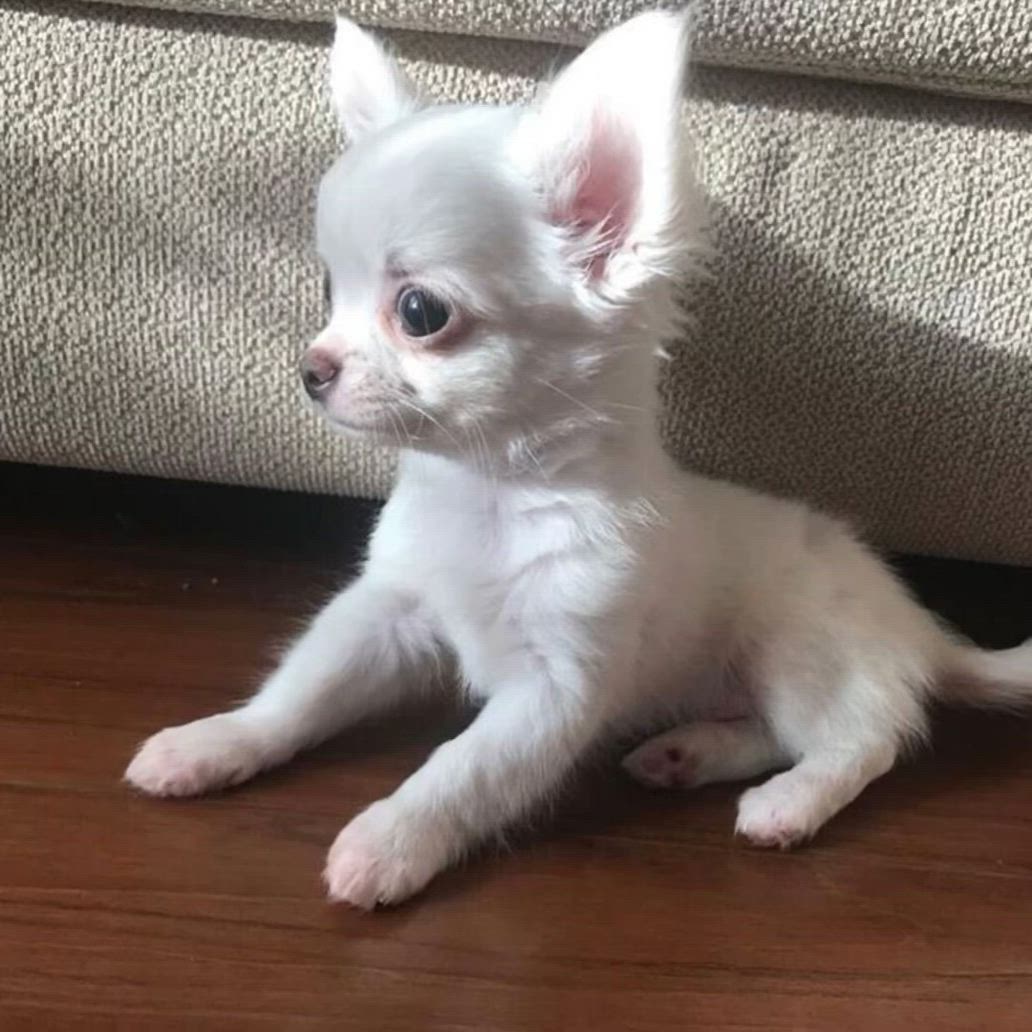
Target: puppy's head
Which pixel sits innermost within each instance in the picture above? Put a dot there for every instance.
(494, 274)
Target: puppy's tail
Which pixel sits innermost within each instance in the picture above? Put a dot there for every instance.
(989, 680)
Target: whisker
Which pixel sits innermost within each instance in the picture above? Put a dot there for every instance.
(427, 416)
(630, 408)
(569, 397)
(485, 450)
(394, 427)
(470, 450)
(533, 456)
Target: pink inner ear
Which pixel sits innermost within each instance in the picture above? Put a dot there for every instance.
(607, 186)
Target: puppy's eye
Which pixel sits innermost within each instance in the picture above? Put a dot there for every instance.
(327, 292)
(421, 313)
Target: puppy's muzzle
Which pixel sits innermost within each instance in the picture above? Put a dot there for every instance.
(318, 370)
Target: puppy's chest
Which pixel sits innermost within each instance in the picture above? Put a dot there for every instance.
(482, 561)
(496, 577)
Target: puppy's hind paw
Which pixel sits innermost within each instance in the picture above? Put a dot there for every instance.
(662, 762)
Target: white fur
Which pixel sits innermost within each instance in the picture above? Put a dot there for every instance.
(538, 533)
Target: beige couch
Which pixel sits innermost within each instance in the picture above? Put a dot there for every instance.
(866, 342)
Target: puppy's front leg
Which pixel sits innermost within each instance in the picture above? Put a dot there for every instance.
(358, 656)
(525, 740)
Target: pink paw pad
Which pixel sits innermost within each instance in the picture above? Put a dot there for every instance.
(659, 764)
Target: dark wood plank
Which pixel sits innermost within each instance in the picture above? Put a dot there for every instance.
(129, 604)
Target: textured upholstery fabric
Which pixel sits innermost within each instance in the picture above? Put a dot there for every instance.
(962, 46)
(865, 341)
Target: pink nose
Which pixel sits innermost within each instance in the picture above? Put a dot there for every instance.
(318, 370)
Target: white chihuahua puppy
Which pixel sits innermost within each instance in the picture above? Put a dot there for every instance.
(500, 281)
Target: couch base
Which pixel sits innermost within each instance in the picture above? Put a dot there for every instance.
(864, 342)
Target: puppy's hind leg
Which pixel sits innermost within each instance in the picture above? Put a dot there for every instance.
(790, 807)
(844, 732)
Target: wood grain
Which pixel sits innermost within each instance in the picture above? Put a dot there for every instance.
(129, 604)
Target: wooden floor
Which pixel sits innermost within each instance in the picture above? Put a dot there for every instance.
(126, 605)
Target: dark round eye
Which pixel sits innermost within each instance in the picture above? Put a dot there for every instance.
(327, 291)
(421, 313)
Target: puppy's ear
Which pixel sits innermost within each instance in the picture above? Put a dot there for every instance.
(368, 89)
(605, 148)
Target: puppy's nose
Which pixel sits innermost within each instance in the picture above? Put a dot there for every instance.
(318, 371)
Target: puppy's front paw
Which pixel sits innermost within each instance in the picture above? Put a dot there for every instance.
(773, 818)
(193, 758)
(383, 856)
